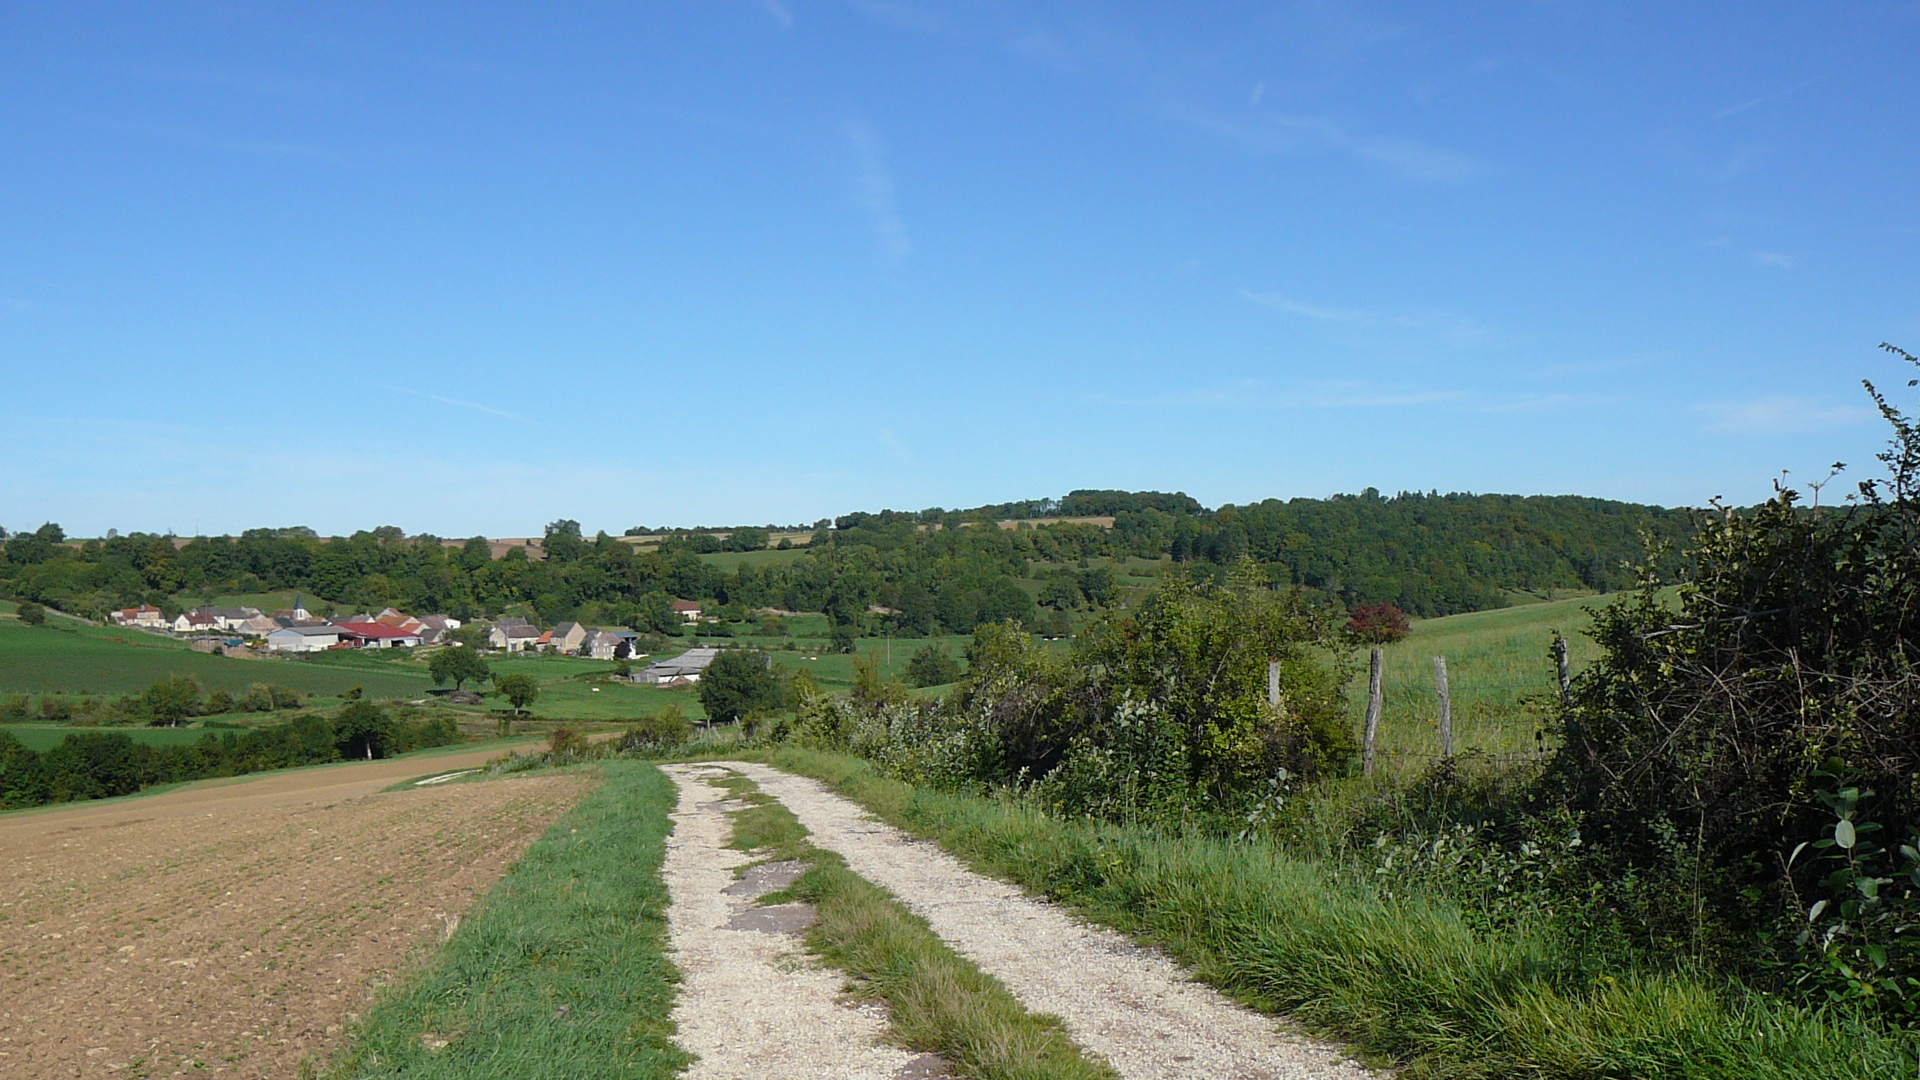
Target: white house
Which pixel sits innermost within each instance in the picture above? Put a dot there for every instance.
(688, 610)
(304, 638)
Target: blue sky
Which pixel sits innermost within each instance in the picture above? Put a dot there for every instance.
(467, 268)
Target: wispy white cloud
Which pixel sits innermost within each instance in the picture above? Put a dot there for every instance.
(1782, 414)
(1296, 307)
(1774, 259)
(778, 12)
(1270, 134)
(1734, 110)
(874, 190)
(1251, 394)
(1259, 91)
(1452, 328)
(452, 401)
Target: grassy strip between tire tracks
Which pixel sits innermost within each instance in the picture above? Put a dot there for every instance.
(1405, 979)
(939, 1001)
(559, 971)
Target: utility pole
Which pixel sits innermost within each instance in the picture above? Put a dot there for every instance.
(1379, 663)
(1446, 706)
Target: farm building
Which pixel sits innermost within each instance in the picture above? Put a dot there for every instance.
(146, 616)
(568, 637)
(688, 610)
(682, 670)
(304, 638)
(373, 635)
(195, 622)
(513, 636)
(607, 644)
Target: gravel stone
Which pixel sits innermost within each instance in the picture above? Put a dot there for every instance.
(752, 1005)
(1130, 1005)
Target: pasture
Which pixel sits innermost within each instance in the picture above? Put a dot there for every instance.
(69, 657)
(1499, 671)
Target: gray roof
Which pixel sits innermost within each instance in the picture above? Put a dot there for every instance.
(311, 631)
(520, 630)
(690, 662)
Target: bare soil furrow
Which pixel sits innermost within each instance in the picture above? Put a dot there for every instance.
(236, 933)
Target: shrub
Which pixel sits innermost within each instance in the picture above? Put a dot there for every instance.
(172, 700)
(32, 614)
(566, 742)
(933, 665)
(1378, 624)
(659, 732)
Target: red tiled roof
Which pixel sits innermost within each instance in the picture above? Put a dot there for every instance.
(685, 605)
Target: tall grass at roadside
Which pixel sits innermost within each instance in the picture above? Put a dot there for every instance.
(1405, 977)
(559, 971)
(938, 1001)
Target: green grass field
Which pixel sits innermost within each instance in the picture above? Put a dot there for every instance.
(66, 657)
(1496, 661)
(578, 929)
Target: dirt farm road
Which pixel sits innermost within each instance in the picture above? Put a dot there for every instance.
(1129, 1005)
(233, 928)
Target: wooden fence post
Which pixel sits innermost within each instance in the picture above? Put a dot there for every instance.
(1446, 706)
(1379, 664)
(1566, 669)
(1273, 683)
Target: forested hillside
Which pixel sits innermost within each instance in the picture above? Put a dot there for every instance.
(931, 570)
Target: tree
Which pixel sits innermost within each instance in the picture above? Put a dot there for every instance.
(933, 665)
(172, 699)
(459, 663)
(362, 729)
(471, 635)
(738, 682)
(1378, 624)
(520, 689)
(32, 614)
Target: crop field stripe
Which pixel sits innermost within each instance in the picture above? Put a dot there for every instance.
(560, 971)
(938, 1001)
(1408, 979)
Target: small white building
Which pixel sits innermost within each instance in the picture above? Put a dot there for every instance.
(304, 638)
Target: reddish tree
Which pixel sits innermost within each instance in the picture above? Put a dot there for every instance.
(1378, 624)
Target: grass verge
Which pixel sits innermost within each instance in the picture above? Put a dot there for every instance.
(559, 971)
(1404, 978)
(940, 1003)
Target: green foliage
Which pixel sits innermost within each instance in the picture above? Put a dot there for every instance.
(1404, 973)
(1161, 711)
(98, 765)
(32, 614)
(738, 683)
(362, 730)
(520, 689)
(458, 663)
(933, 665)
(659, 732)
(172, 700)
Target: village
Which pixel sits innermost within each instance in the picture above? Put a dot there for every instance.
(249, 632)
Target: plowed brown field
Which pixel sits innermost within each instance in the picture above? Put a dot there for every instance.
(234, 928)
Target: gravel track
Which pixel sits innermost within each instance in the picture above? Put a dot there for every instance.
(752, 1005)
(1131, 1005)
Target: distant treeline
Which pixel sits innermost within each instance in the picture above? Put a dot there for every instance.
(937, 570)
(101, 765)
